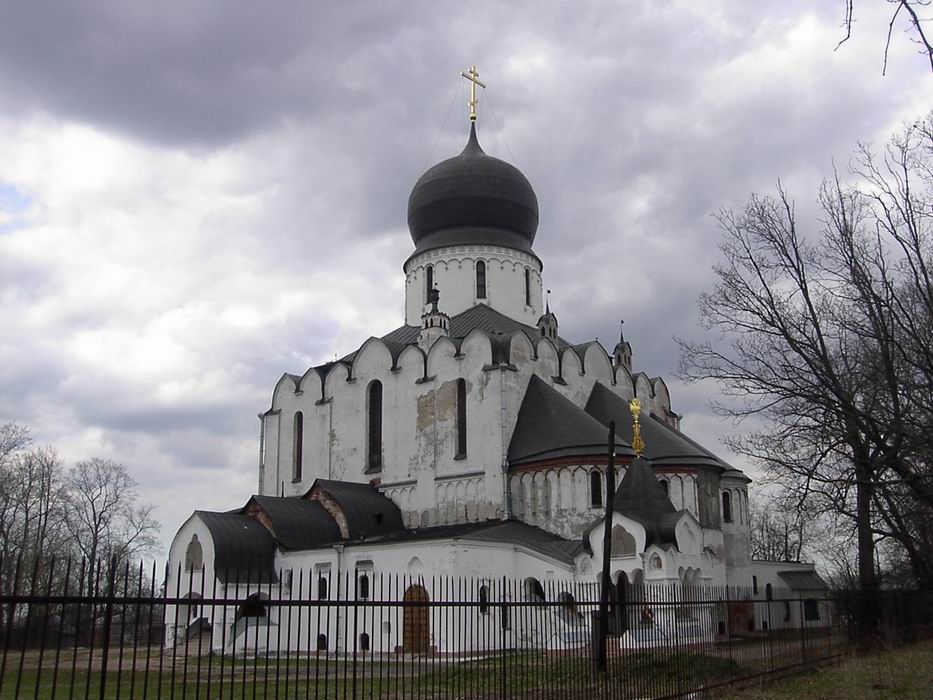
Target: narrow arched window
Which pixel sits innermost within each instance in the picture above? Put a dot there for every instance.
(321, 588)
(726, 507)
(374, 443)
(364, 642)
(322, 642)
(483, 600)
(755, 585)
(298, 446)
(596, 489)
(461, 419)
(428, 282)
(527, 287)
(480, 280)
(769, 592)
(362, 588)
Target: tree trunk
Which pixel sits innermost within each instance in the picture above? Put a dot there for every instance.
(868, 580)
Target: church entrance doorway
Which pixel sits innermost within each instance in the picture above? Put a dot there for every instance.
(416, 630)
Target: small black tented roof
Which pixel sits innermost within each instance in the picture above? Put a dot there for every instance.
(641, 497)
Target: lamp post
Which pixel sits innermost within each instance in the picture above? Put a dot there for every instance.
(599, 658)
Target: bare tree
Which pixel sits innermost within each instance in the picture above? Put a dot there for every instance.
(13, 438)
(905, 11)
(828, 339)
(103, 514)
(30, 507)
(778, 533)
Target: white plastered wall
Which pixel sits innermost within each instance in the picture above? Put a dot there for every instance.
(455, 278)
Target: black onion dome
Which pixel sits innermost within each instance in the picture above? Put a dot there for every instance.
(473, 198)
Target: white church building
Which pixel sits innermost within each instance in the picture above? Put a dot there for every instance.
(470, 441)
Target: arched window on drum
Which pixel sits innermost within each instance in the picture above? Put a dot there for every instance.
(428, 282)
(480, 280)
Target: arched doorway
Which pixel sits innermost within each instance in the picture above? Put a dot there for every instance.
(253, 607)
(416, 626)
(251, 615)
(189, 612)
(190, 623)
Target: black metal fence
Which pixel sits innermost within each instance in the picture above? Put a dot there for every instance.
(104, 632)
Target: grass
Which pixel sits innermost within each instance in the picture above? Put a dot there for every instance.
(638, 674)
(905, 674)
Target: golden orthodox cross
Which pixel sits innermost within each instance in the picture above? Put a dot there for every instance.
(638, 444)
(473, 76)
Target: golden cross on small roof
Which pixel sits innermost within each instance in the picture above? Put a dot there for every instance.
(472, 75)
(638, 444)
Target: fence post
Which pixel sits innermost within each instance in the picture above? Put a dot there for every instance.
(108, 622)
(803, 630)
(355, 603)
(770, 635)
(11, 613)
(502, 636)
(728, 630)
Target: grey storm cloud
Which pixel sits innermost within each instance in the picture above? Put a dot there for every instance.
(260, 159)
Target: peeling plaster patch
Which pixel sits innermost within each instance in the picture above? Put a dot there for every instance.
(446, 404)
(425, 417)
(258, 514)
(335, 511)
(437, 405)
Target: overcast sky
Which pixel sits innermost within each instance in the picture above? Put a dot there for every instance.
(194, 201)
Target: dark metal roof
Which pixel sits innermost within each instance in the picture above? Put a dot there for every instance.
(473, 198)
(368, 512)
(518, 533)
(641, 492)
(803, 580)
(244, 550)
(496, 325)
(663, 444)
(298, 523)
(581, 348)
(551, 426)
(736, 474)
(509, 532)
(480, 317)
(641, 497)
